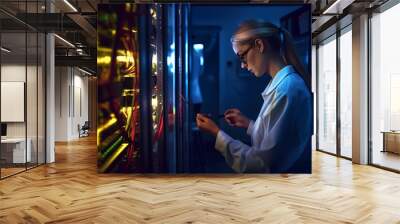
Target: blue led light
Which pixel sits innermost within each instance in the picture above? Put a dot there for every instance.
(198, 47)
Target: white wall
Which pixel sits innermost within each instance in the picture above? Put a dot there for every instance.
(13, 73)
(61, 103)
(71, 94)
(82, 82)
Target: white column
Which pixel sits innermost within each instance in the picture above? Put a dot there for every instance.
(360, 90)
(50, 93)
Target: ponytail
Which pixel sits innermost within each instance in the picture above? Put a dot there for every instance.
(290, 56)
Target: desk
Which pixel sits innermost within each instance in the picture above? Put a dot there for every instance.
(391, 141)
(15, 148)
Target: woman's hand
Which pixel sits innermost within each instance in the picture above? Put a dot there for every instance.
(235, 118)
(206, 124)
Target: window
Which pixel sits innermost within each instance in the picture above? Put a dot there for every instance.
(346, 92)
(385, 89)
(326, 94)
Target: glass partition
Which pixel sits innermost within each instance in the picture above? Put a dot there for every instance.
(15, 151)
(22, 87)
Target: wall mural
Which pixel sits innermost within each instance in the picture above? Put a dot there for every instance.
(179, 92)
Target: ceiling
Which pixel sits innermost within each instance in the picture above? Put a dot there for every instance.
(75, 21)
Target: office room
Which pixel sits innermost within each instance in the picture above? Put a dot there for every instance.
(199, 112)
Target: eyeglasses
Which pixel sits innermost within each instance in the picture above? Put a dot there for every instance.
(243, 56)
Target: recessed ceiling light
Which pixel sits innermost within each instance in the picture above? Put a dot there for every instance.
(64, 40)
(70, 5)
(84, 71)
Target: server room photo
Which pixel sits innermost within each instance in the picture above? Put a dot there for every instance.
(179, 93)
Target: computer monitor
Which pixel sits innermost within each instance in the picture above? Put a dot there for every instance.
(3, 129)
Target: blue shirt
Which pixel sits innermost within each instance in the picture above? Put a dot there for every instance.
(282, 132)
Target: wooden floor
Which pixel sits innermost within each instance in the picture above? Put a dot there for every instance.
(5, 172)
(71, 191)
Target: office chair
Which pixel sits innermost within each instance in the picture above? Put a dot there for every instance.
(84, 130)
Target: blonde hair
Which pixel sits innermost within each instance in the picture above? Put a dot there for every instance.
(279, 40)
